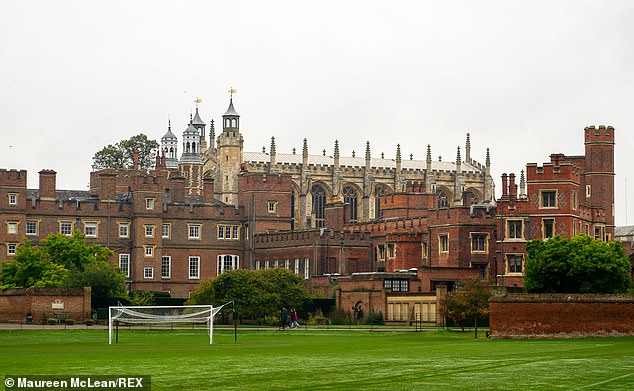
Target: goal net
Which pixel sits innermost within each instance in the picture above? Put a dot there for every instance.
(173, 315)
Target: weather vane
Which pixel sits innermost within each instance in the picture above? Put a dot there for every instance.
(231, 92)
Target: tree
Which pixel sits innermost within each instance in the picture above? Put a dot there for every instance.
(470, 301)
(121, 155)
(63, 261)
(256, 293)
(577, 265)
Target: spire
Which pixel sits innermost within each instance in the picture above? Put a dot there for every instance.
(488, 163)
(305, 154)
(467, 150)
(398, 157)
(367, 155)
(272, 161)
(336, 154)
(522, 185)
(458, 162)
(428, 159)
(231, 118)
(272, 146)
(212, 135)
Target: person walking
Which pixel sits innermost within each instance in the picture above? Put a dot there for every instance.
(295, 318)
(283, 318)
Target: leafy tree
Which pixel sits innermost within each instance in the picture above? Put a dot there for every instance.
(101, 277)
(469, 302)
(256, 293)
(31, 268)
(577, 265)
(121, 155)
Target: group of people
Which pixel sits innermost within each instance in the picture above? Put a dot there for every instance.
(288, 317)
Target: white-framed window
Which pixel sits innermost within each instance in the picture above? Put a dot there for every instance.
(574, 200)
(272, 206)
(514, 229)
(11, 248)
(194, 231)
(287, 264)
(229, 232)
(124, 230)
(148, 272)
(66, 228)
(514, 264)
(149, 251)
(306, 268)
(12, 227)
(423, 249)
(149, 203)
(479, 242)
(13, 198)
(443, 243)
(149, 231)
(296, 265)
(166, 231)
(267, 264)
(31, 227)
(548, 228)
(166, 266)
(90, 229)
(124, 264)
(588, 190)
(228, 262)
(194, 267)
(548, 199)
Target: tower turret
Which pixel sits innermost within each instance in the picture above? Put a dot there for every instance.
(169, 147)
(229, 157)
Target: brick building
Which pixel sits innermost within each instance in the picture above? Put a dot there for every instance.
(406, 229)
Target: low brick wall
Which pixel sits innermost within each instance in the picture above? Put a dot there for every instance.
(560, 315)
(44, 304)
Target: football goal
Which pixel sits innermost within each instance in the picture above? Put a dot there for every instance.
(173, 315)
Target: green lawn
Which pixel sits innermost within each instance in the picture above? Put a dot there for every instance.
(325, 360)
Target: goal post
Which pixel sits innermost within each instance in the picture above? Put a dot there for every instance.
(183, 314)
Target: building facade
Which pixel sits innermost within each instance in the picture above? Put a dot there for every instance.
(402, 228)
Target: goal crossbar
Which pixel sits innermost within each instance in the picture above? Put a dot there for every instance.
(163, 315)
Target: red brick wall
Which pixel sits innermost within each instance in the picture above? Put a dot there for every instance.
(16, 303)
(560, 315)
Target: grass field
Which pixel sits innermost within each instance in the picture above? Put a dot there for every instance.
(324, 360)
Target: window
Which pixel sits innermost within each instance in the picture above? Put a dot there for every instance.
(229, 232)
(574, 200)
(599, 232)
(514, 229)
(306, 271)
(548, 198)
(194, 231)
(549, 228)
(65, 228)
(442, 199)
(319, 204)
(479, 242)
(90, 229)
(166, 266)
(588, 190)
(350, 197)
(228, 262)
(11, 247)
(149, 203)
(166, 231)
(12, 227)
(124, 264)
(514, 264)
(272, 206)
(391, 250)
(31, 227)
(396, 285)
(380, 252)
(194, 267)
(149, 251)
(13, 198)
(148, 272)
(149, 231)
(443, 243)
(287, 264)
(423, 249)
(378, 192)
(124, 230)
(297, 266)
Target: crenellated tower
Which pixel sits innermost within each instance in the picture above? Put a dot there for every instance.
(229, 157)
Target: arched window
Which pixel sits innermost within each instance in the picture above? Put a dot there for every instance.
(193, 147)
(442, 199)
(379, 191)
(234, 123)
(319, 204)
(227, 123)
(350, 197)
(293, 210)
(187, 147)
(171, 152)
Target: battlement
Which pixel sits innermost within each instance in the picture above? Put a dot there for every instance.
(556, 170)
(258, 182)
(13, 177)
(600, 134)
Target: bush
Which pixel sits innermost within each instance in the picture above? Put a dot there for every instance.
(51, 321)
(89, 322)
(317, 318)
(340, 317)
(69, 322)
(375, 318)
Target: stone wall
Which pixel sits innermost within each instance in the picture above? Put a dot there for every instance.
(560, 315)
(44, 304)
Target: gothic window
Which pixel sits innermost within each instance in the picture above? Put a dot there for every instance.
(293, 211)
(350, 197)
(193, 147)
(171, 152)
(378, 193)
(187, 147)
(442, 199)
(319, 204)
(234, 123)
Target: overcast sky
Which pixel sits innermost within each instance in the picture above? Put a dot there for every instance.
(522, 77)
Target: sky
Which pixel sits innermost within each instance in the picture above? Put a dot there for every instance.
(522, 77)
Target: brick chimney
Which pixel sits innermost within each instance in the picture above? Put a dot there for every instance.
(505, 186)
(208, 190)
(107, 185)
(136, 159)
(47, 185)
(177, 189)
(336, 214)
(512, 187)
